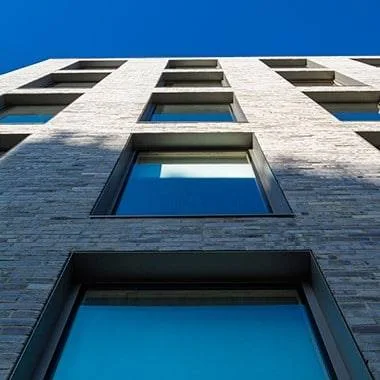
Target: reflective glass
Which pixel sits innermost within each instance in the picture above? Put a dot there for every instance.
(25, 118)
(192, 112)
(132, 336)
(358, 115)
(208, 183)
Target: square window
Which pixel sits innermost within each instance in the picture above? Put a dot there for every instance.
(195, 107)
(190, 334)
(191, 175)
(192, 183)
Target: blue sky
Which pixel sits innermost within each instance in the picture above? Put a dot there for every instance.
(33, 30)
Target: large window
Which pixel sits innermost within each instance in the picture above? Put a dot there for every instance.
(191, 175)
(193, 79)
(191, 315)
(192, 183)
(354, 112)
(192, 334)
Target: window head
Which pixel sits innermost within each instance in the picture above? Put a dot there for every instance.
(192, 107)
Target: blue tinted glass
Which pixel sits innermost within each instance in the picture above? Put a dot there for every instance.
(357, 116)
(192, 112)
(224, 342)
(25, 119)
(182, 184)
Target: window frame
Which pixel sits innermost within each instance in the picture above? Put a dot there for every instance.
(223, 269)
(229, 141)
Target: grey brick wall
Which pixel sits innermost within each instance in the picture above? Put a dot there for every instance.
(50, 182)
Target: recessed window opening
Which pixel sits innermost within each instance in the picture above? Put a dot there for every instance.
(371, 137)
(277, 63)
(192, 183)
(67, 80)
(28, 114)
(354, 111)
(193, 79)
(31, 108)
(95, 65)
(9, 141)
(317, 77)
(369, 61)
(191, 175)
(177, 334)
(193, 107)
(192, 64)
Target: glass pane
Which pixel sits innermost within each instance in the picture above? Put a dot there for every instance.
(211, 183)
(131, 336)
(38, 114)
(357, 115)
(192, 112)
(25, 119)
(203, 83)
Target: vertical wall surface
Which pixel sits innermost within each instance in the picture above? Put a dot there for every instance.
(50, 182)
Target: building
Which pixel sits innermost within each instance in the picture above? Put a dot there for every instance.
(271, 198)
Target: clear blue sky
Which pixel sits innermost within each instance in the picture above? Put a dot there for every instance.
(33, 30)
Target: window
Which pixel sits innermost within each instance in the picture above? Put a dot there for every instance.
(188, 334)
(191, 175)
(193, 107)
(317, 77)
(192, 64)
(191, 112)
(32, 108)
(369, 61)
(277, 63)
(68, 80)
(192, 183)
(193, 79)
(28, 114)
(349, 105)
(354, 112)
(372, 137)
(187, 315)
(9, 141)
(111, 64)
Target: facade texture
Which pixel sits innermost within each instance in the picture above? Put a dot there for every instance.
(329, 174)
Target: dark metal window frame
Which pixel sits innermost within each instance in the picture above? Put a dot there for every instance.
(228, 141)
(193, 97)
(191, 268)
(193, 64)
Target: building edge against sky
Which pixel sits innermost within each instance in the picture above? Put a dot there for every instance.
(300, 134)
